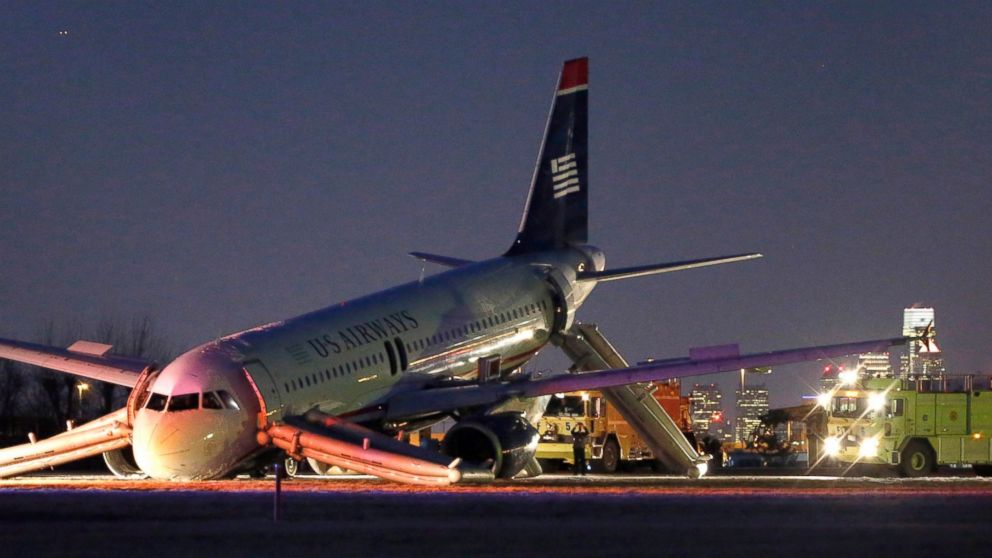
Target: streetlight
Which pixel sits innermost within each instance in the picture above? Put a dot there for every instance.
(81, 388)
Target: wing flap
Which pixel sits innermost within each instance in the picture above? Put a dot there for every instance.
(86, 362)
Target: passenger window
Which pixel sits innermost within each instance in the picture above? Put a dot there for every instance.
(229, 401)
(211, 401)
(157, 402)
(185, 402)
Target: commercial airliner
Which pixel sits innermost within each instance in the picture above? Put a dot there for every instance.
(338, 385)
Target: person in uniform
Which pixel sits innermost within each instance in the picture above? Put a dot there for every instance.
(580, 435)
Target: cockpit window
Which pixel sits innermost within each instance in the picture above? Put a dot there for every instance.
(185, 402)
(229, 401)
(211, 401)
(157, 402)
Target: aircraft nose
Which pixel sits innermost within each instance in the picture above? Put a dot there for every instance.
(190, 440)
(177, 446)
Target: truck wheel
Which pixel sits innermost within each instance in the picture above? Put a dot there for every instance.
(916, 460)
(983, 470)
(611, 457)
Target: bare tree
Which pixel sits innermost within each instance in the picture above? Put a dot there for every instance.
(11, 386)
(139, 340)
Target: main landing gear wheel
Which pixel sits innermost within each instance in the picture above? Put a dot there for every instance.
(916, 460)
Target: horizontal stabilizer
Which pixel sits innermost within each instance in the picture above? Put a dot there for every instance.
(628, 272)
(446, 261)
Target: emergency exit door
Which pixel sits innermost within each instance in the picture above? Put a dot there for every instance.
(266, 385)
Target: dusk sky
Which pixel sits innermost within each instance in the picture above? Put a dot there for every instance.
(220, 165)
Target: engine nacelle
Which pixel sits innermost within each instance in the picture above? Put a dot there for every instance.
(121, 464)
(503, 442)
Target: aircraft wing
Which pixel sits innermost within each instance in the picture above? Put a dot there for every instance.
(416, 403)
(83, 358)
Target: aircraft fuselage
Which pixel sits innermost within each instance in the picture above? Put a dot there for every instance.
(350, 358)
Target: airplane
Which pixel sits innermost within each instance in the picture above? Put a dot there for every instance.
(340, 384)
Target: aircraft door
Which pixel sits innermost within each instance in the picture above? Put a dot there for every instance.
(266, 385)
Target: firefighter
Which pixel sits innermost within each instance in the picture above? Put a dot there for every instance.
(580, 434)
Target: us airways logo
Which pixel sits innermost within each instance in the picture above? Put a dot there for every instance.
(564, 175)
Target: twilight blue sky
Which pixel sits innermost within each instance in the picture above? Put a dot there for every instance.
(220, 165)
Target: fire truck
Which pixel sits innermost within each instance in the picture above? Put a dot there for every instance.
(911, 425)
(613, 442)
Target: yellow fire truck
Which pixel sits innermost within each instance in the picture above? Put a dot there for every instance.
(613, 442)
(912, 426)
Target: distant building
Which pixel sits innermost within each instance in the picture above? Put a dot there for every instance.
(752, 402)
(706, 401)
(874, 365)
(922, 360)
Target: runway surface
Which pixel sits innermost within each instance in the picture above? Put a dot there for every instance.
(553, 515)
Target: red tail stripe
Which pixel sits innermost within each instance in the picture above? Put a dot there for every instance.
(574, 74)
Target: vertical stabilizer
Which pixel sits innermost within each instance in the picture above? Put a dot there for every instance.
(556, 211)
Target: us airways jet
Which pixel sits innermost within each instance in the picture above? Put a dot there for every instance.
(338, 384)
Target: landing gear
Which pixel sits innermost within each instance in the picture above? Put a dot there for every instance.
(318, 467)
(291, 466)
(916, 459)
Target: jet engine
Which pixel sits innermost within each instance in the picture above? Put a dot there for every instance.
(502, 442)
(121, 464)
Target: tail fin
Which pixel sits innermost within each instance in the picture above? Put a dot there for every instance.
(557, 205)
